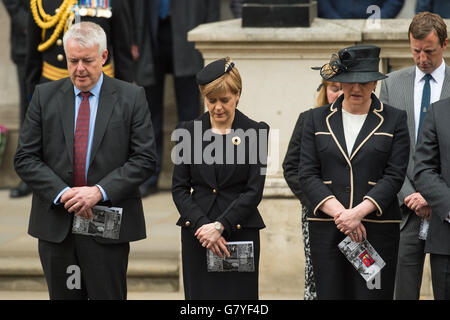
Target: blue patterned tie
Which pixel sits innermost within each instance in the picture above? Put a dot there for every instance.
(164, 8)
(426, 96)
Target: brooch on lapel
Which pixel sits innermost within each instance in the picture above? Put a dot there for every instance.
(236, 140)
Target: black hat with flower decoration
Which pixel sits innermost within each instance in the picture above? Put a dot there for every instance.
(355, 64)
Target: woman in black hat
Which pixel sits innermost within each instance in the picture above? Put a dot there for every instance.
(218, 181)
(353, 161)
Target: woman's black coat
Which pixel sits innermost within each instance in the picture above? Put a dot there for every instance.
(375, 170)
(233, 201)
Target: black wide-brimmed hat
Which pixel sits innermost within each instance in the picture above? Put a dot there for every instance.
(355, 64)
(214, 70)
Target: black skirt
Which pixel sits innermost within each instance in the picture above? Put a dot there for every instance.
(199, 284)
(335, 276)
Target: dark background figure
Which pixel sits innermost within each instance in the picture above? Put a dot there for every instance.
(50, 64)
(441, 7)
(161, 28)
(357, 9)
(18, 12)
(236, 8)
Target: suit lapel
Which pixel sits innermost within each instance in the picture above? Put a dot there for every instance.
(66, 107)
(409, 103)
(371, 124)
(106, 103)
(336, 126)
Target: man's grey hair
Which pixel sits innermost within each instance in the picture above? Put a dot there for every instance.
(87, 35)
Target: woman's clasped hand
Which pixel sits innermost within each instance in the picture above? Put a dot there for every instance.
(212, 239)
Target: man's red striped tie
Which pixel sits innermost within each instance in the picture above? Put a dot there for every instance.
(80, 141)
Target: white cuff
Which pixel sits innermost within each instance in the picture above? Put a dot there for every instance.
(56, 201)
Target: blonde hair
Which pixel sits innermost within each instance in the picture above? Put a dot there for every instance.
(229, 81)
(322, 98)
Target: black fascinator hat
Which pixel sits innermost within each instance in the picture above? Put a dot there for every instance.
(214, 70)
(355, 64)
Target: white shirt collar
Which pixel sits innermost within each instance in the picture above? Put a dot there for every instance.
(438, 74)
(95, 91)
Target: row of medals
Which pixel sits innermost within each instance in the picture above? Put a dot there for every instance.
(99, 11)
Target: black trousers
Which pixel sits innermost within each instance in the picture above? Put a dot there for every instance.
(411, 258)
(335, 276)
(440, 275)
(81, 268)
(186, 92)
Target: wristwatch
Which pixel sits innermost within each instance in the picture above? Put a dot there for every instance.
(218, 226)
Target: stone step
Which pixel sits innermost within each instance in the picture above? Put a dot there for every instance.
(144, 274)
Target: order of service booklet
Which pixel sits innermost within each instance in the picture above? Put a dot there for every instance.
(423, 230)
(106, 223)
(241, 258)
(363, 257)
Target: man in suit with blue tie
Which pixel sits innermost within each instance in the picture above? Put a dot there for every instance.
(86, 139)
(413, 89)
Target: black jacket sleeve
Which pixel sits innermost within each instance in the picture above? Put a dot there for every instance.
(181, 192)
(428, 168)
(292, 160)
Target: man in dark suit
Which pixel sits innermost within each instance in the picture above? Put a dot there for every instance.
(161, 28)
(406, 89)
(85, 139)
(45, 57)
(432, 178)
